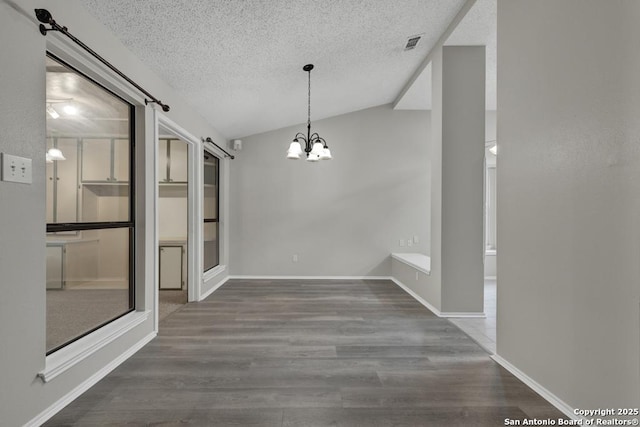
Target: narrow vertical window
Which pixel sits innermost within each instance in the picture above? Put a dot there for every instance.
(90, 209)
(211, 211)
(491, 208)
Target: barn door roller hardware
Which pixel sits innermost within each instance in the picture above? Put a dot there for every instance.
(208, 139)
(45, 17)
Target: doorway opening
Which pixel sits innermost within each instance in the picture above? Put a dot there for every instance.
(173, 222)
(483, 330)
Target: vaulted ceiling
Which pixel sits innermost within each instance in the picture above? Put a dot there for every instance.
(477, 28)
(239, 62)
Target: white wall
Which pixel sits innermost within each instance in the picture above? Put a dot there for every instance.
(458, 135)
(343, 217)
(22, 208)
(22, 236)
(568, 197)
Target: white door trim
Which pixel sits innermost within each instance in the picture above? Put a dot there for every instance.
(194, 209)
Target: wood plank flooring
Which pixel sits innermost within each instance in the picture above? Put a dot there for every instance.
(307, 353)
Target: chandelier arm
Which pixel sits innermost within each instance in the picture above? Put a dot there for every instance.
(317, 138)
(307, 143)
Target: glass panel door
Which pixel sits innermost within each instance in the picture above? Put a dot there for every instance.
(211, 208)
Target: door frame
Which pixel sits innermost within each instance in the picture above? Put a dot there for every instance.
(194, 209)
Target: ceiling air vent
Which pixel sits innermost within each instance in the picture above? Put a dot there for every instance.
(412, 42)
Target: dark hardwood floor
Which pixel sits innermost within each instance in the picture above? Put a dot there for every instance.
(307, 353)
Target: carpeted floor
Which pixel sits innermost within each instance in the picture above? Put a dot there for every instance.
(73, 312)
(171, 301)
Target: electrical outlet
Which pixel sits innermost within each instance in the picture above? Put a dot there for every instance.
(16, 169)
(409, 242)
(401, 243)
(295, 258)
(416, 240)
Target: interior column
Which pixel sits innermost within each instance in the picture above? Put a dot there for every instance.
(457, 210)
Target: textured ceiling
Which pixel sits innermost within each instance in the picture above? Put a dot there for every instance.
(239, 62)
(478, 27)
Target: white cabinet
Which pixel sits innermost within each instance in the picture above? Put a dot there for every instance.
(105, 160)
(55, 266)
(171, 266)
(96, 160)
(172, 161)
(163, 160)
(62, 182)
(120, 160)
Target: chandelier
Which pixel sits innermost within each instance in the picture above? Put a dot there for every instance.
(315, 146)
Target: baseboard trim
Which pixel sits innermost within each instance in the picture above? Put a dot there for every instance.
(431, 307)
(454, 314)
(88, 383)
(66, 358)
(214, 288)
(208, 275)
(417, 297)
(310, 277)
(535, 386)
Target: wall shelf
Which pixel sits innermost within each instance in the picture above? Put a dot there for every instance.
(108, 189)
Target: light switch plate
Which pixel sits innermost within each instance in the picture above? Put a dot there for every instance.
(16, 169)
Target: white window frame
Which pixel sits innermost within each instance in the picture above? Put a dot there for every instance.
(491, 210)
(67, 357)
(195, 199)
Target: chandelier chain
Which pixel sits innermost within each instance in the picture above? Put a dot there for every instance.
(309, 98)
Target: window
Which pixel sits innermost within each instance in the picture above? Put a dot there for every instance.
(491, 208)
(90, 205)
(211, 210)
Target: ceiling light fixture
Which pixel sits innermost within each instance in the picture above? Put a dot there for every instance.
(52, 112)
(70, 110)
(55, 154)
(315, 146)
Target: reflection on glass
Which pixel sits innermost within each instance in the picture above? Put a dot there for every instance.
(210, 211)
(91, 128)
(62, 196)
(210, 245)
(104, 203)
(88, 193)
(87, 282)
